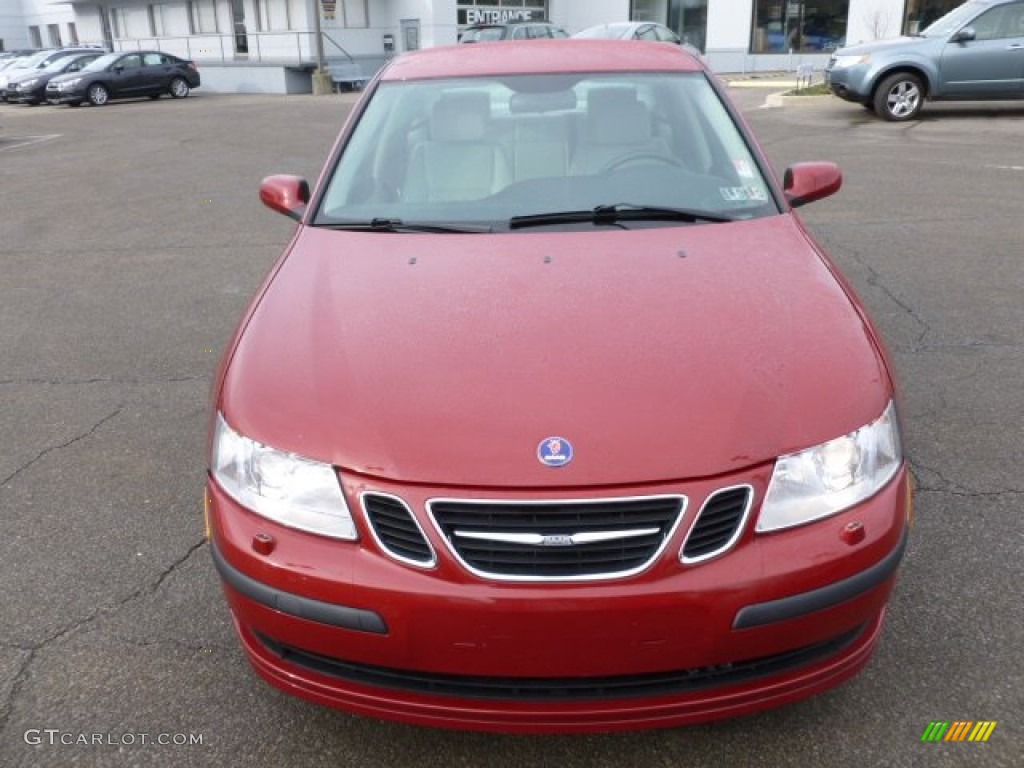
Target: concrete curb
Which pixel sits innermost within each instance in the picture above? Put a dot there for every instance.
(786, 99)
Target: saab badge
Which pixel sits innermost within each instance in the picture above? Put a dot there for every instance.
(554, 451)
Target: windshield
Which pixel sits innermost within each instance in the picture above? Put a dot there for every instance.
(102, 62)
(31, 62)
(58, 65)
(607, 31)
(952, 21)
(480, 151)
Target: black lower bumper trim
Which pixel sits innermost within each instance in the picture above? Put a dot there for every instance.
(672, 683)
(793, 607)
(295, 605)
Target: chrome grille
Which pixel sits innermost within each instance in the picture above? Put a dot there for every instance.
(396, 530)
(718, 524)
(557, 540)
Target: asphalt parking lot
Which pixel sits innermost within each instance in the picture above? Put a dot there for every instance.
(132, 238)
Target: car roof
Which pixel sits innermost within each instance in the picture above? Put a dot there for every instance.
(541, 57)
(509, 23)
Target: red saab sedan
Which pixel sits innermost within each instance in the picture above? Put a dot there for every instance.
(553, 416)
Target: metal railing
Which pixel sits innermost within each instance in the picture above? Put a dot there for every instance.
(289, 48)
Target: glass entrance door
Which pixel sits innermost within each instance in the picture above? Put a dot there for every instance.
(689, 20)
(238, 19)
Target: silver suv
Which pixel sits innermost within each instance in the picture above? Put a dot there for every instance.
(974, 52)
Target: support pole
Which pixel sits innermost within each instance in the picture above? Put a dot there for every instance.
(321, 77)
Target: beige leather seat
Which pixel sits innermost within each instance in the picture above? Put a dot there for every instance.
(540, 147)
(617, 124)
(459, 160)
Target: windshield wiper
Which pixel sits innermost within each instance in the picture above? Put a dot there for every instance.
(397, 225)
(613, 214)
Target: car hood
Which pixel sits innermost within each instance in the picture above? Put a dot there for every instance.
(878, 46)
(661, 354)
(23, 75)
(68, 76)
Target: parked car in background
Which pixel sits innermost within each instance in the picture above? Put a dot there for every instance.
(7, 58)
(513, 30)
(631, 30)
(124, 75)
(552, 415)
(636, 30)
(974, 52)
(30, 87)
(38, 62)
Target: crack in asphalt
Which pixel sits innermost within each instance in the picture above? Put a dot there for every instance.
(100, 249)
(22, 674)
(969, 344)
(102, 380)
(875, 281)
(954, 488)
(46, 451)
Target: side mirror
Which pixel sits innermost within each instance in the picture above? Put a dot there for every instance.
(806, 182)
(285, 194)
(965, 35)
(118, 69)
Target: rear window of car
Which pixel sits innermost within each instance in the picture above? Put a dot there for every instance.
(482, 35)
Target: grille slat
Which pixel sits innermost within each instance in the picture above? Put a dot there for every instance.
(512, 560)
(396, 530)
(718, 523)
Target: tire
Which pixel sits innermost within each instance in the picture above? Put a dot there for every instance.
(179, 88)
(98, 94)
(869, 106)
(899, 97)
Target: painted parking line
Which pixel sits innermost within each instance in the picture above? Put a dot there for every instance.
(25, 141)
(1006, 167)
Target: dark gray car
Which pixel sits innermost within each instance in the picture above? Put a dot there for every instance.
(974, 52)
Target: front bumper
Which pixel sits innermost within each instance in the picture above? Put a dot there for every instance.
(849, 83)
(54, 96)
(33, 96)
(777, 618)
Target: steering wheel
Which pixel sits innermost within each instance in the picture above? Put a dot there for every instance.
(641, 157)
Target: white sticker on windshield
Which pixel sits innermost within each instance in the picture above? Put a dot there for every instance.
(744, 194)
(743, 168)
(734, 194)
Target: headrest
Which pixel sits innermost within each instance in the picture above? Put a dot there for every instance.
(616, 116)
(553, 101)
(460, 116)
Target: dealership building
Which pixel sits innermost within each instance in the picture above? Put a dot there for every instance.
(270, 45)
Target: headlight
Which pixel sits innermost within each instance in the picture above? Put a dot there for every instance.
(833, 476)
(283, 487)
(69, 84)
(840, 62)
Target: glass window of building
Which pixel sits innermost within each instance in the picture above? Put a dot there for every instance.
(781, 27)
(921, 13)
(687, 18)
